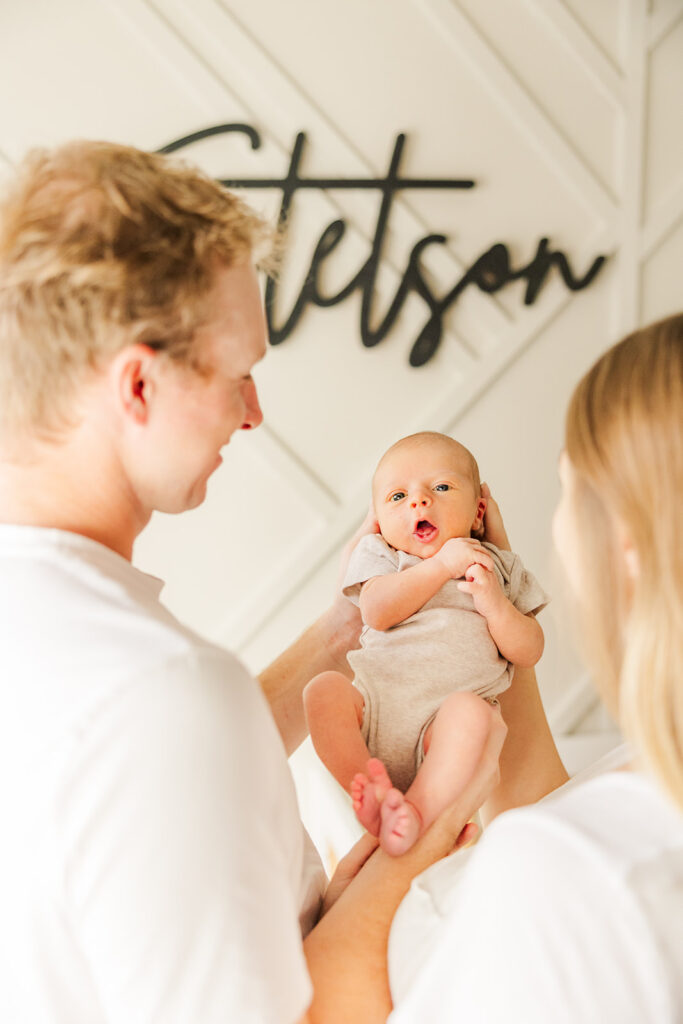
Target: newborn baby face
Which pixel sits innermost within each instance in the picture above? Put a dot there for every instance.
(424, 494)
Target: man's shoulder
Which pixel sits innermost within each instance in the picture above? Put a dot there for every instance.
(201, 683)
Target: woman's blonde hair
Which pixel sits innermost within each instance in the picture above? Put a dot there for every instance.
(624, 440)
(103, 245)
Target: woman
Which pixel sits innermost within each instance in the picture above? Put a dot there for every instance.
(572, 909)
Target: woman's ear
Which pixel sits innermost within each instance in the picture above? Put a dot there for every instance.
(629, 553)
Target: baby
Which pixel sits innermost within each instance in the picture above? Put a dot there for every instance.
(445, 619)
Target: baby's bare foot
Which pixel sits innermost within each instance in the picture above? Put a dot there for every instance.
(368, 792)
(401, 823)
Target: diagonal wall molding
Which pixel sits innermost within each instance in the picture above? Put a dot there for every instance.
(540, 131)
(572, 35)
(662, 22)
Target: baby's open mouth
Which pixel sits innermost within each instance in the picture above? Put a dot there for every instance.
(424, 530)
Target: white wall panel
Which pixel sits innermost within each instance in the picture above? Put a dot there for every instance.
(75, 69)
(603, 23)
(566, 113)
(664, 158)
(661, 281)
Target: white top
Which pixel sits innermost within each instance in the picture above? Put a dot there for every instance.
(569, 911)
(152, 857)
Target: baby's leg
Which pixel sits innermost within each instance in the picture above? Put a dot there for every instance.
(334, 712)
(453, 745)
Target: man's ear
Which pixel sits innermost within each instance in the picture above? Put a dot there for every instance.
(133, 376)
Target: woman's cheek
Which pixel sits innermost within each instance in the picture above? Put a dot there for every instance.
(564, 538)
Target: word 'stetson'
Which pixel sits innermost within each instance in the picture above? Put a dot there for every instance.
(490, 272)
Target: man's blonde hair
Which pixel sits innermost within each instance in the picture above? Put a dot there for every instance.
(103, 245)
(624, 439)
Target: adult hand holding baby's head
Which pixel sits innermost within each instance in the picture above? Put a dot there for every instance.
(369, 525)
(493, 527)
(344, 616)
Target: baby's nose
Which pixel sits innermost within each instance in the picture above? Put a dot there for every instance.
(419, 500)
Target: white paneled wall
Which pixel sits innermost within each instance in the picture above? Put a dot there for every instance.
(566, 113)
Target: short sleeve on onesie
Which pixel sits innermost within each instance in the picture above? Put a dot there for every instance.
(520, 586)
(372, 556)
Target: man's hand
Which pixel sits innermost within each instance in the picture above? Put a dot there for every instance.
(459, 553)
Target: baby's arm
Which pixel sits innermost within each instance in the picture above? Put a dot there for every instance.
(387, 600)
(518, 637)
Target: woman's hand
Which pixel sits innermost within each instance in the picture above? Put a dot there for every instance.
(350, 942)
(494, 529)
(347, 869)
(451, 830)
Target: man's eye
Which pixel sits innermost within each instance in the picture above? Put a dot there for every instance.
(397, 496)
(442, 487)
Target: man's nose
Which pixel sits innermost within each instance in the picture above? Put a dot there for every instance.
(253, 415)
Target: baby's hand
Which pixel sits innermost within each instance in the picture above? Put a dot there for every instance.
(486, 591)
(459, 553)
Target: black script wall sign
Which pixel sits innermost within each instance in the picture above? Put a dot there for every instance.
(490, 272)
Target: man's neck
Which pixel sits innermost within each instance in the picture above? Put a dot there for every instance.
(63, 486)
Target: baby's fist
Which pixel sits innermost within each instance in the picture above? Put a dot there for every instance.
(485, 589)
(459, 553)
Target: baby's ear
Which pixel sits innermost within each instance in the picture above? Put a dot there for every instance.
(477, 529)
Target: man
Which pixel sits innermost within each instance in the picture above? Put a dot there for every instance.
(153, 858)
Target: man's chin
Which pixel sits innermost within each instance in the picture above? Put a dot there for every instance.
(184, 502)
(197, 497)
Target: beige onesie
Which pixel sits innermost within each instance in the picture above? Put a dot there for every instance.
(405, 672)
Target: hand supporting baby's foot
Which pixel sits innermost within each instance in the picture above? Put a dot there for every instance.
(368, 792)
(401, 823)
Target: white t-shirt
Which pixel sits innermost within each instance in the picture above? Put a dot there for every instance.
(152, 856)
(569, 911)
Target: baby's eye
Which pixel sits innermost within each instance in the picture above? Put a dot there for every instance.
(397, 496)
(442, 487)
